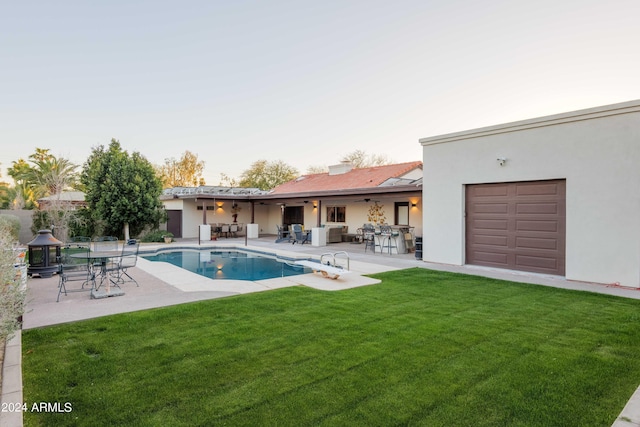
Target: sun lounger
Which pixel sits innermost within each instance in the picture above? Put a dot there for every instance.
(327, 271)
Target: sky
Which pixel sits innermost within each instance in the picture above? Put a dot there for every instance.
(305, 82)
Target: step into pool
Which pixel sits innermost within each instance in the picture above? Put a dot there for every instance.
(228, 264)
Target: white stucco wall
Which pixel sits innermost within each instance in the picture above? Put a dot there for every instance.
(597, 151)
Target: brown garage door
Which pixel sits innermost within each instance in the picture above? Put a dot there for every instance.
(517, 225)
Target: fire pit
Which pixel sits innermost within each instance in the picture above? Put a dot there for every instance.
(44, 253)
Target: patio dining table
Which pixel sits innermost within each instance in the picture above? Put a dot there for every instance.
(102, 257)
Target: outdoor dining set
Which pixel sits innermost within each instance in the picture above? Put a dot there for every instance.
(226, 230)
(96, 265)
(377, 238)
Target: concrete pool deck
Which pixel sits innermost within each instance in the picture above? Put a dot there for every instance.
(162, 284)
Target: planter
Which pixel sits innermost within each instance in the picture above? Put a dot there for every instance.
(167, 239)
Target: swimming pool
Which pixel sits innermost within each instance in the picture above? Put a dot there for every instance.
(229, 264)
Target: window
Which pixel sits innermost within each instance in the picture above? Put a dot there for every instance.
(336, 214)
(402, 213)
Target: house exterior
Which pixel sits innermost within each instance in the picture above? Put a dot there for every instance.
(557, 195)
(343, 197)
(72, 199)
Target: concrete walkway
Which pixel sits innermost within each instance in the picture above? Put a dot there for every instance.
(162, 284)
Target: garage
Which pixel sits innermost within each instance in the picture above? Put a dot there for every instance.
(517, 225)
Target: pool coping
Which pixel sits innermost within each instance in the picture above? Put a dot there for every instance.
(194, 282)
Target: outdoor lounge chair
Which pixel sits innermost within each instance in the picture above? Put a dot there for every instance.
(299, 236)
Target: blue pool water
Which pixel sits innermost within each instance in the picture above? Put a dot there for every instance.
(236, 265)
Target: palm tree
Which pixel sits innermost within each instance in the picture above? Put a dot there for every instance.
(51, 176)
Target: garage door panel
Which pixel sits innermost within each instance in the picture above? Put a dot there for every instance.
(537, 208)
(536, 243)
(537, 189)
(499, 241)
(491, 224)
(537, 264)
(533, 225)
(492, 258)
(490, 208)
(518, 226)
(494, 190)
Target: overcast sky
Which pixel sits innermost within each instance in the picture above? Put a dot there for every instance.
(305, 82)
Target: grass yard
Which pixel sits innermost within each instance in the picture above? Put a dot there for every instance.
(422, 348)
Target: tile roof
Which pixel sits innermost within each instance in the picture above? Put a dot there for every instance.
(356, 178)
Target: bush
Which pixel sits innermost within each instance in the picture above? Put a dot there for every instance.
(11, 294)
(11, 224)
(156, 236)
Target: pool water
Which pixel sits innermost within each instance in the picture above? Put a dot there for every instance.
(227, 265)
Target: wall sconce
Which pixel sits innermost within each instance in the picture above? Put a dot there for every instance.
(315, 206)
(501, 160)
(413, 205)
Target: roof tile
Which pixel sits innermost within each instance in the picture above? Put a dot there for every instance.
(356, 178)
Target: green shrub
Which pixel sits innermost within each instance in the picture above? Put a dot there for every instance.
(11, 294)
(11, 224)
(156, 236)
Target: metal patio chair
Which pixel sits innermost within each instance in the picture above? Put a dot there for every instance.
(121, 265)
(76, 268)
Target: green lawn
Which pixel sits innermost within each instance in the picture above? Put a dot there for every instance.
(422, 348)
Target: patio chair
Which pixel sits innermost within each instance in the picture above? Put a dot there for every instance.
(369, 236)
(283, 234)
(80, 240)
(233, 230)
(75, 268)
(389, 238)
(105, 243)
(224, 229)
(299, 236)
(127, 260)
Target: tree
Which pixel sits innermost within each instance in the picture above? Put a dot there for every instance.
(267, 175)
(360, 159)
(185, 172)
(122, 190)
(312, 170)
(51, 175)
(226, 180)
(7, 195)
(24, 197)
(46, 175)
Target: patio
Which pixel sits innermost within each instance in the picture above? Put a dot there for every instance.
(163, 285)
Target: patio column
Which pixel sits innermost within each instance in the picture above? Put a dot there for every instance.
(319, 213)
(204, 212)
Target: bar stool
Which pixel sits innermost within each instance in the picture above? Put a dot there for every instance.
(368, 235)
(389, 238)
